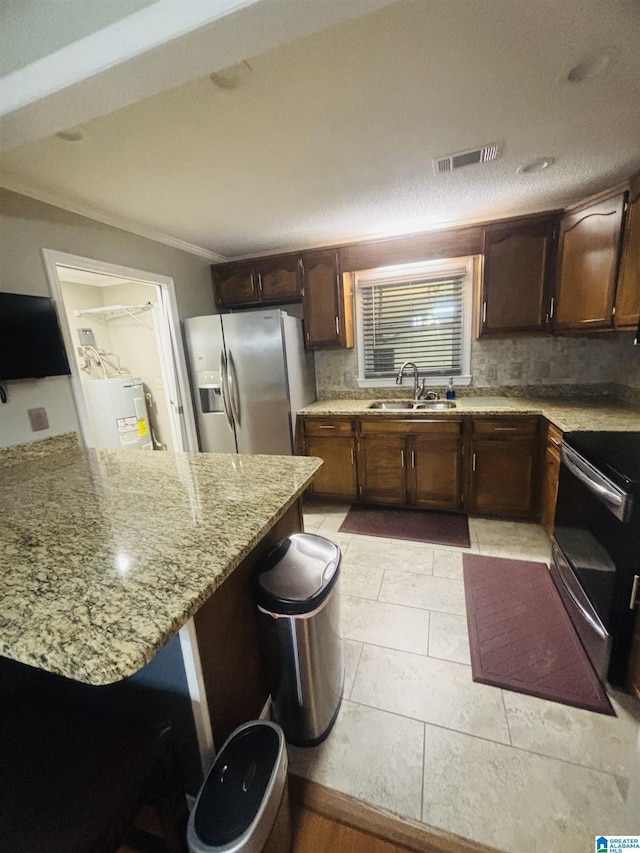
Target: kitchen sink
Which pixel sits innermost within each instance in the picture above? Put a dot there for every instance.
(413, 405)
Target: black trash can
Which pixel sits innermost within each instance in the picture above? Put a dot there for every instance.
(243, 805)
(297, 592)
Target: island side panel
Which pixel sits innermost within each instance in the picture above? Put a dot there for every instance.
(229, 640)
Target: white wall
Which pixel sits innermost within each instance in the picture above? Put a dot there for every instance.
(28, 226)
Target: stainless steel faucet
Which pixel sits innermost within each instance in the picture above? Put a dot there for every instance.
(417, 389)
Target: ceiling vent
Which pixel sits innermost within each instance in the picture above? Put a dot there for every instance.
(466, 158)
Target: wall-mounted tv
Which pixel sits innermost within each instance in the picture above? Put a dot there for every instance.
(31, 343)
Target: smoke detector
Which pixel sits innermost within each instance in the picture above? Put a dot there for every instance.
(466, 158)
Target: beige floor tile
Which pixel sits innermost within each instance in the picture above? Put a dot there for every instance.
(361, 581)
(371, 755)
(511, 539)
(407, 556)
(390, 625)
(331, 523)
(424, 688)
(311, 523)
(611, 744)
(352, 651)
(517, 801)
(448, 637)
(447, 564)
(431, 593)
(535, 553)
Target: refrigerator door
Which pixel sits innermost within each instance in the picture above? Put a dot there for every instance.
(300, 367)
(207, 367)
(257, 386)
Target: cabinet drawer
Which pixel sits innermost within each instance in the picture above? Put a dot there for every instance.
(328, 426)
(413, 426)
(554, 437)
(505, 427)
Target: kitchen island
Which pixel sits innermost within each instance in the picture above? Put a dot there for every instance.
(108, 557)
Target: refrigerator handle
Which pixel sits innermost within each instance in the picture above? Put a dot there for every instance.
(223, 388)
(232, 384)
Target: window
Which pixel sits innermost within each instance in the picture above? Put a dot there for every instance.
(419, 313)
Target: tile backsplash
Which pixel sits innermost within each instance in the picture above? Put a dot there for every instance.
(605, 362)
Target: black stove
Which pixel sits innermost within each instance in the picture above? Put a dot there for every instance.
(615, 454)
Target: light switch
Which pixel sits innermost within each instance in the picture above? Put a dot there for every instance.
(38, 418)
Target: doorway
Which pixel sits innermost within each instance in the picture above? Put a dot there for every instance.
(121, 331)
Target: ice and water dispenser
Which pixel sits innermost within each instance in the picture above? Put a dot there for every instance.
(210, 391)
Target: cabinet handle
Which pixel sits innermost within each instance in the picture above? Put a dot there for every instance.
(473, 462)
(353, 456)
(505, 429)
(337, 326)
(402, 458)
(552, 306)
(260, 282)
(413, 459)
(326, 426)
(484, 312)
(253, 283)
(555, 442)
(634, 592)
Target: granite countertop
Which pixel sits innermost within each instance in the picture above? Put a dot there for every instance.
(106, 554)
(576, 414)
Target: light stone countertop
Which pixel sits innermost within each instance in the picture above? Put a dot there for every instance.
(567, 415)
(105, 555)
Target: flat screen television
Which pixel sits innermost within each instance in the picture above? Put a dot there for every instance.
(31, 343)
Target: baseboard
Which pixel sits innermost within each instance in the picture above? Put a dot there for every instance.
(383, 824)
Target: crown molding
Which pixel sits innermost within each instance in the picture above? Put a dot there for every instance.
(111, 219)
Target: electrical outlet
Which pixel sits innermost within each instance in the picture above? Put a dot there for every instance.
(158, 385)
(38, 418)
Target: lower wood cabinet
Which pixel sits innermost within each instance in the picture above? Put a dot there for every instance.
(549, 478)
(488, 466)
(413, 462)
(334, 442)
(504, 467)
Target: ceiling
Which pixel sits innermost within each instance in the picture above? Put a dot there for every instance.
(329, 134)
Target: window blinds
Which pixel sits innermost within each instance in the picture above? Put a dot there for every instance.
(419, 320)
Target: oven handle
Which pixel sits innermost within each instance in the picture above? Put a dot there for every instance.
(595, 625)
(572, 461)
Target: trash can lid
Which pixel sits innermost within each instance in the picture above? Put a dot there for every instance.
(297, 574)
(233, 803)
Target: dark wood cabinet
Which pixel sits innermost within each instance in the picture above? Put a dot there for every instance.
(382, 461)
(333, 441)
(275, 280)
(633, 678)
(235, 284)
(517, 283)
(327, 301)
(504, 467)
(549, 478)
(589, 255)
(414, 462)
(627, 313)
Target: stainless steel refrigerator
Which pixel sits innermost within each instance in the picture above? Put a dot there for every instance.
(250, 374)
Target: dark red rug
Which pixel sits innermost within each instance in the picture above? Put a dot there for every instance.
(521, 636)
(417, 525)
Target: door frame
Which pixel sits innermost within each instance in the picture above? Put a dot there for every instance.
(171, 351)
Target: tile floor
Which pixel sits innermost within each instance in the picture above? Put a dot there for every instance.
(416, 736)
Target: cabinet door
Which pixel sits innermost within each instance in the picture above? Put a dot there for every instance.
(588, 267)
(325, 318)
(518, 266)
(436, 472)
(382, 460)
(337, 477)
(627, 313)
(280, 279)
(634, 661)
(235, 285)
(502, 477)
(550, 475)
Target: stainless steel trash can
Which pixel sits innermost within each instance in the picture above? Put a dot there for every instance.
(243, 805)
(297, 592)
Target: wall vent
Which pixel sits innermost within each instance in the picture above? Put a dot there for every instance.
(466, 158)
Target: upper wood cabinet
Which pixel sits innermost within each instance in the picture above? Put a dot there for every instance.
(627, 313)
(589, 255)
(519, 261)
(327, 301)
(275, 280)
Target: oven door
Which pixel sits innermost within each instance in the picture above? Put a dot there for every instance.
(594, 534)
